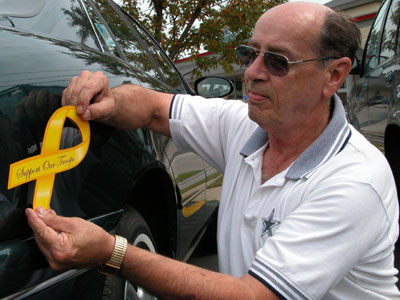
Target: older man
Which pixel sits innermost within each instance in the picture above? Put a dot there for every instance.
(308, 207)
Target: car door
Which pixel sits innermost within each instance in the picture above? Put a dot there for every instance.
(396, 76)
(36, 65)
(193, 175)
(155, 71)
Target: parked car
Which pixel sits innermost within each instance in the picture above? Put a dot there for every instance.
(374, 103)
(131, 182)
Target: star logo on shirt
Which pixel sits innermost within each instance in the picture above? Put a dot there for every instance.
(268, 224)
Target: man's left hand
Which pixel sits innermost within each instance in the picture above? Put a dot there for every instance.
(69, 242)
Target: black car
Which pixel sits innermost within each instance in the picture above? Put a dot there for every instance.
(134, 183)
(374, 102)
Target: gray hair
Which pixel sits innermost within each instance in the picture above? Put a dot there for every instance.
(339, 36)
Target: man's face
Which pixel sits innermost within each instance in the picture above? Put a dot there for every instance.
(283, 103)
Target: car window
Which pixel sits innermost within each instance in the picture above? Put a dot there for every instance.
(103, 32)
(20, 138)
(97, 185)
(131, 46)
(64, 19)
(372, 46)
(389, 32)
(20, 8)
(169, 73)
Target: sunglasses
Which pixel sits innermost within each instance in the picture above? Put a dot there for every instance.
(276, 64)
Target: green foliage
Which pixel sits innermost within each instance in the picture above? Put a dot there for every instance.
(188, 28)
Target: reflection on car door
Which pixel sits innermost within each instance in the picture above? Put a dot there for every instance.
(366, 97)
(188, 170)
(381, 78)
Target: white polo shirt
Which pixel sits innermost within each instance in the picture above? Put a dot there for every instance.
(324, 228)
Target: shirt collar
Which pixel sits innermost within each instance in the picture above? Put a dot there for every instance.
(332, 140)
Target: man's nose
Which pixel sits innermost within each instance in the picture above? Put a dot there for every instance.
(257, 70)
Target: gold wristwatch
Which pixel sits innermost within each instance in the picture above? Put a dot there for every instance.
(114, 264)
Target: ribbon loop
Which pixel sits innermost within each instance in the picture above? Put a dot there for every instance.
(51, 159)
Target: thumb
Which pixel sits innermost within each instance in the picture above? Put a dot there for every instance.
(52, 220)
(101, 110)
(44, 234)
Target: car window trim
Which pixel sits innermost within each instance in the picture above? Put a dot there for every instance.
(122, 14)
(91, 24)
(46, 284)
(397, 41)
(126, 16)
(384, 23)
(380, 35)
(98, 14)
(156, 44)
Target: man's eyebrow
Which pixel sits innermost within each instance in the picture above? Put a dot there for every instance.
(274, 48)
(278, 49)
(253, 43)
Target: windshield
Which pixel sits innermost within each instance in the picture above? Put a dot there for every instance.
(20, 8)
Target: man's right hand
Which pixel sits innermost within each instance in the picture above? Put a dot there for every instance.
(126, 106)
(92, 96)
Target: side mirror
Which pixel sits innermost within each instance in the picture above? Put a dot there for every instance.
(213, 87)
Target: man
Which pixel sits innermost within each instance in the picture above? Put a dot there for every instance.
(308, 207)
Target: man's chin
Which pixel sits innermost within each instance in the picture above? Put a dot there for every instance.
(262, 118)
(255, 115)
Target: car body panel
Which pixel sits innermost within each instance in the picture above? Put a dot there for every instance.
(374, 104)
(373, 100)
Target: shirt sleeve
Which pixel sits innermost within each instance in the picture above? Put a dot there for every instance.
(339, 225)
(207, 126)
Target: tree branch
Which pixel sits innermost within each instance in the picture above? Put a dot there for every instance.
(158, 7)
(178, 45)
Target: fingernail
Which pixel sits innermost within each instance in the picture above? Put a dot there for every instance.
(41, 211)
(86, 115)
(79, 109)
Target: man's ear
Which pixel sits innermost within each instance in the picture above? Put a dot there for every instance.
(337, 73)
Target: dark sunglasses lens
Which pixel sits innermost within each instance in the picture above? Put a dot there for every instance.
(276, 64)
(245, 55)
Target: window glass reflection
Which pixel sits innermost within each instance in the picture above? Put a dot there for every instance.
(62, 19)
(389, 33)
(372, 48)
(103, 32)
(131, 47)
(168, 71)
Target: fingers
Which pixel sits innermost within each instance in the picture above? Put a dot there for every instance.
(44, 236)
(66, 98)
(102, 110)
(57, 223)
(82, 89)
(43, 233)
(69, 242)
(56, 244)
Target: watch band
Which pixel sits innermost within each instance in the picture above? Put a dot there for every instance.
(112, 266)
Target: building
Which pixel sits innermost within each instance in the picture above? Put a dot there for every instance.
(362, 12)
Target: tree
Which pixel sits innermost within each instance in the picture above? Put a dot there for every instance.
(185, 28)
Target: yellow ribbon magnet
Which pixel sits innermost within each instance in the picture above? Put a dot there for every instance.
(51, 159)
